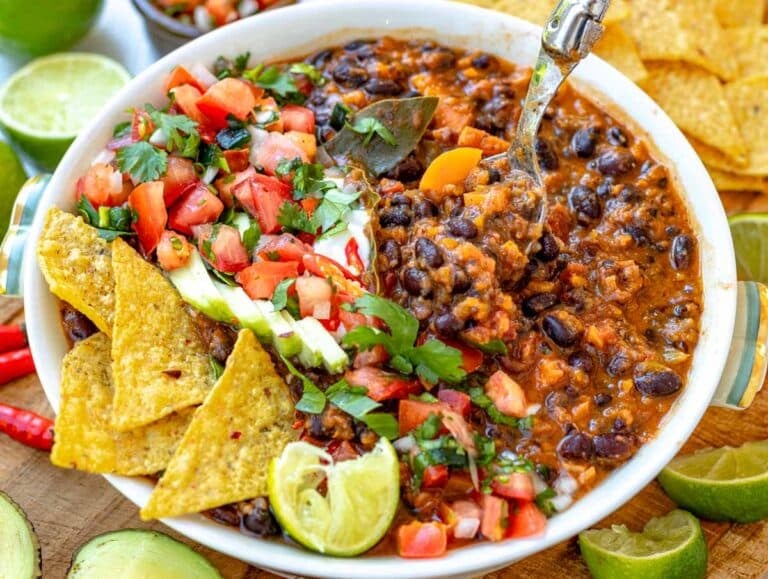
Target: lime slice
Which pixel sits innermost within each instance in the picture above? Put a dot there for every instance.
(750, 239)
(355, 511)
(670, 547)
(45, 104)
(12, 177)
(721, 484)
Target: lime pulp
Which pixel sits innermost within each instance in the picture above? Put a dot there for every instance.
(12, 177)
(750, 240)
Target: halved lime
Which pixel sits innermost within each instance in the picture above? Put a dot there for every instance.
(750, 239)
(721, 484)
(355, 510)
(670, 547)
(12, 177)
(45, 104)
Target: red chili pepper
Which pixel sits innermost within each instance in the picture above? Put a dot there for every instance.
(15, 365)
(26, 427)
(12, 337)
(352, 251)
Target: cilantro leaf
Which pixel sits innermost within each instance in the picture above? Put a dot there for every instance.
(224, 67)
(479, 398)
(370, 127)
(312, 399)
(333, 208)
(102, 222)
(307, 177)
(280, 84)
(340, 227)
(402, 325)
(280, 295)
(217, 369)
(251, 236)
(382, 424)
(315, 76)
(294, 218)
(210, 155)
(544, 501)
(122, 129)
(142, 161)
(180, 131)
(492, 347)
(352, 400)
(435, 360)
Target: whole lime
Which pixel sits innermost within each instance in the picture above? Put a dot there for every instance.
(12, 177)
(44, 26)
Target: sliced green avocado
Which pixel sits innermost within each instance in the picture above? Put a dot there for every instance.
(139, 554)
(196, 288)
(319, 347)
(19, 547)
(247, 312)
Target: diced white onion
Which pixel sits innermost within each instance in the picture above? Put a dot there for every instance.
(257, 138)
(105, 157)
(565, 484)
(204, 76)
(561, 502)
(247, 8)
(210, 175)
(263, 117)
(404, 444)
(539, 486)
(159, 138)
(322, 311)
(473, 472)
(533, 409)
(202, 19)
(339, 333)
(466, 528)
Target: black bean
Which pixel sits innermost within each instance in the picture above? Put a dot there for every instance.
(555, 400)
(616, 137)
(390, 251)
(409, 169)
(320, 58)
(384, 87)
(76, 325)
(562, 328)
(448, 324)
(424, 209)
(538, 303)
(260, 520)
(461, 227)
(316, 427)
(618, 425)
(409, 94)
(461, 281)
(416, 282)
(680, 254)
(350, 75)
(483, 61)
(612, 445)
(639, 234)
(550, 249)
(584, 142)
(581, 360)
(585, 203)
(619, 365)
(576, 446)
(226, 515)
(615, 162)
(494, 175)
(427, 250)
(400, 199)
(356, 44)
(630, 194)
(397, 216)
(602, 399)
(653, 379)
(547, 157)
(605, 187)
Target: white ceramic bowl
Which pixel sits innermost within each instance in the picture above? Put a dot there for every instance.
(299, 30)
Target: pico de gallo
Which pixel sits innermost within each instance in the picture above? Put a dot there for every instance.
(206, 15)
(344, 193)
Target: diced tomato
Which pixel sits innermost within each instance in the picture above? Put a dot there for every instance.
(179, 76)
(142, 126)
(323, 266)
(342, 451)
(471, 358)
(507, 395)
(222, 11)
(229, 96)
(286, 247)
(102, 184)
(196, 206)
(260, 279)
(514, 485)
(185, 99)
(275, 148)
(297, 118)
(226, 185)
(178, 177)
(373, 357)
(382, 385)
(309, 204)
(455, 400)
(173, 251)
(237, 159)
(305, 141)
(412, 413)
(418, 540)
(435, 476)
(352, 319)
(352, 253)
(527, 521)
(147, 201)
(313, 292)
(495, 518)
(227, 252)
(262, 197)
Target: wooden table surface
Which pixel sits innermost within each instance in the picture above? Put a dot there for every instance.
(68, 507)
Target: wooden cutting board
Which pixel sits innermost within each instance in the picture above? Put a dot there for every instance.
(67, 507)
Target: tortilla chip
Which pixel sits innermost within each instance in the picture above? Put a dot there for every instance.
(84, 439)
(733, 13)
(618, 48)
(749, 102)
(726, 181)
(244, 423)
(708, 40)
(750, 47)
(537, 11)
(160, 364)
(695, 100)
(77, 264)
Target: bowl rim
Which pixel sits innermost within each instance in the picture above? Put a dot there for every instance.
(485, 556)
(156, 17)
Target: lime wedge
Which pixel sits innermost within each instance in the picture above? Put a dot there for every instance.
(721, 484)
(44, 105)
(355, 511)
(750, 239)
(670, 547)
(12, 177)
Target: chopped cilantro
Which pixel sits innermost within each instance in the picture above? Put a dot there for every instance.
(223, 67)
(251, 236)
(280, 84)
(142, 161)
(102, 220)
(307, 177)
(280, 295)
(492, 347)
(294, 218)
(371, 127)
(544, 501)
(314, 75)
(382, 424)
(210, 155)
(428, 429)
(180, 131)
(333, 208)
(479, 398)
(217, 369)
(423, 397)
(122, 129)
(312, 399)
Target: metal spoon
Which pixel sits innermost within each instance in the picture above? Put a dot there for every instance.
(569, 35)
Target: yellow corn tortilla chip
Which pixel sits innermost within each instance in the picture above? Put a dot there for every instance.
(224, 455)
(710, 45)
(748, 99)
(77, 264)
(85, 440)
(159, 363)
(733, 13)
(726, 181)
(537, 11)
(618, 48)
(695, 100)
(750, 47)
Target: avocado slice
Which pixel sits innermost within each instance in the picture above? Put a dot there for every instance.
(196, 288)
(319, 347)
(18, 542)
(138, 554)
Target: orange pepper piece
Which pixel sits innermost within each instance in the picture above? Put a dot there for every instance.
(450, 167)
